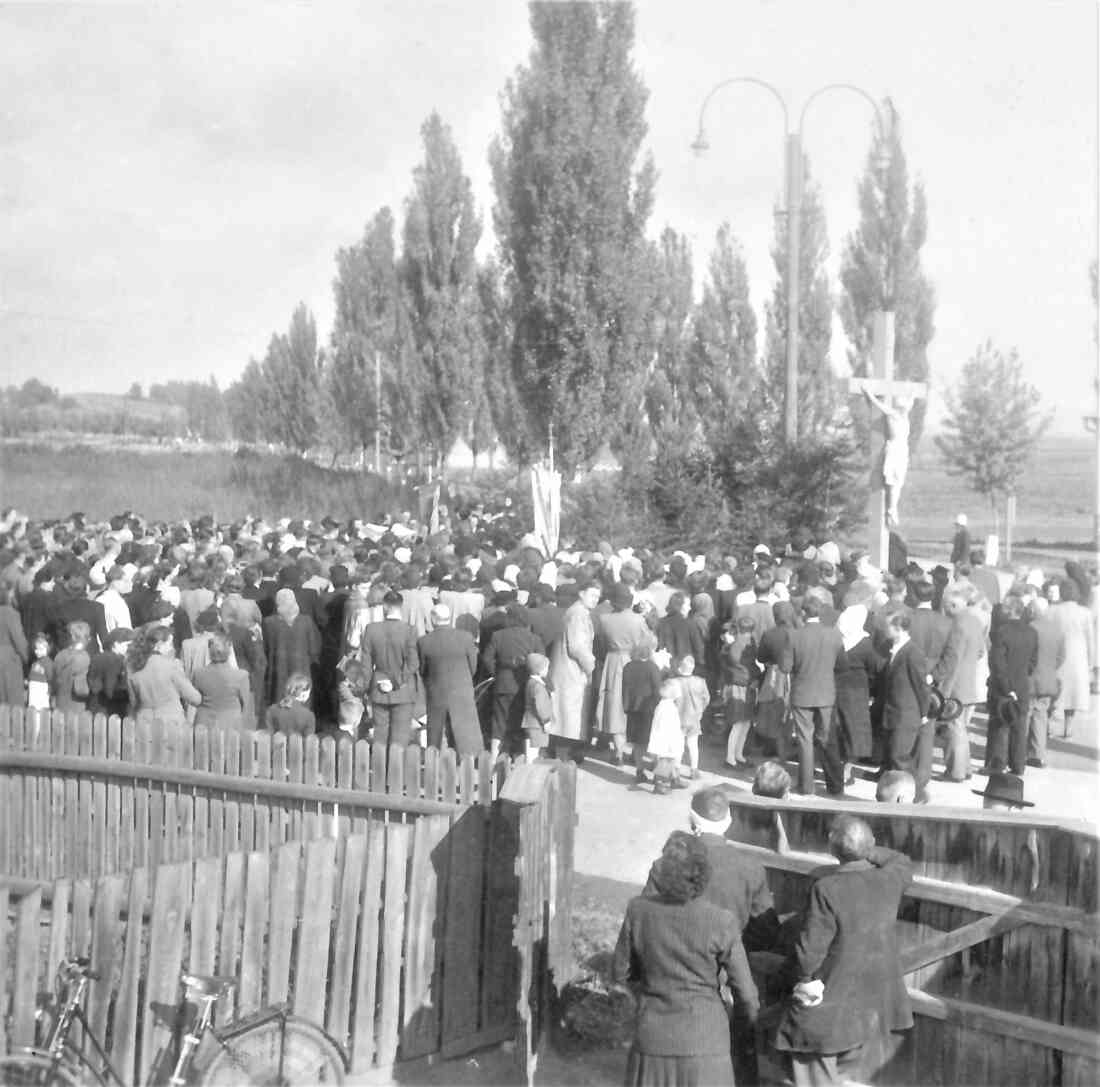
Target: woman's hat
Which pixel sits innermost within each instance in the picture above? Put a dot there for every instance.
(1007, 788)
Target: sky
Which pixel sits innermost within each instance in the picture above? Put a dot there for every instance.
(175, 178)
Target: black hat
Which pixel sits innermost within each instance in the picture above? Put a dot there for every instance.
(1007, 788)
(942, 709)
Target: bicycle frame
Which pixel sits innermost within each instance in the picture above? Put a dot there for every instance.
(60, 1048)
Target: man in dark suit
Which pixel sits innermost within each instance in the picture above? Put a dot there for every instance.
(960, 545)
(448, 661)
(928, 628)
(811, 658)
(1013, 656)
(906, 694)
(505, 659)
(388, 651)
(71, 605)
(848, 980)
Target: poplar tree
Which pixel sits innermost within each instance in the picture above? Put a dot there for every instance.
(819, 401)
(570, 216)
(880, 267)
(723, 356)
(366, 322)
(438, 274)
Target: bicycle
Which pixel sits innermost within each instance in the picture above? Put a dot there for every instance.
(270, 1047)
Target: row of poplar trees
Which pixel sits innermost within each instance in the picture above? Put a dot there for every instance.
(580, 324)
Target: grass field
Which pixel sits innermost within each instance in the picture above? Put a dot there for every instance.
(1055, 504)
(1054, 507)
(171, 484)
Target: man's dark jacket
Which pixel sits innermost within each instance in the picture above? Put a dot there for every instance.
(849, 942)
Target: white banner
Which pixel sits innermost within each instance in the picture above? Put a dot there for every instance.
(546, 498)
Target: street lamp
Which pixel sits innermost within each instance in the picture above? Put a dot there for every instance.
(794, 169)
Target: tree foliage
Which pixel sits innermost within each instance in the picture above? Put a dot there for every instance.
(281, 400)
(722, 364)
(204, 406)
(438, 272)
(570, 216)
(994, 421)
(881, 269)
(367, 321)
(819, 403)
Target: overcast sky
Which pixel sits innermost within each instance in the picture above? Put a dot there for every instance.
(174, 179)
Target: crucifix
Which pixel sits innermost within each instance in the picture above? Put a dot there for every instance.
(892, 401)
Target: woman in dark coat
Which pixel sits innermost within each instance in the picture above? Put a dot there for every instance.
(293, 644)
(773, 693)
(225, 689)
(672, 948)
(13, 652)
(678, 634)
(856, 674)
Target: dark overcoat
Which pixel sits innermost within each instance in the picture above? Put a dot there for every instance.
(849, 942)
(448, 662)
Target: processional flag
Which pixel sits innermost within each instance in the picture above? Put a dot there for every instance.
(546, 499)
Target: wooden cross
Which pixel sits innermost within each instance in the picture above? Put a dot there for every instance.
(882, 386)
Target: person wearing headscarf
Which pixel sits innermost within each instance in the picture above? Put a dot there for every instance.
(856, 675)
(292, 642)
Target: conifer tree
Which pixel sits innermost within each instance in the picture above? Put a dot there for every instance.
(881, 268)
(570, 215)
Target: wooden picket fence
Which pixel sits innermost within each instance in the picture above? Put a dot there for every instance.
(141, 793)
(425, 920)
(999, 935)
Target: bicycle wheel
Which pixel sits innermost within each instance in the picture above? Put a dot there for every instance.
(275, 1053)
(34, 1070)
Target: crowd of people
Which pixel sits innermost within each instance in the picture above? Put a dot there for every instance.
(470, 635)
(795, 657)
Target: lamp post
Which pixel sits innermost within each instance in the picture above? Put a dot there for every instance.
(795, 173)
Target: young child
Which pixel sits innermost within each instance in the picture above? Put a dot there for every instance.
(694, 699)
(351, 690)
(666, 739)
(108, 690)
(641, 690)
(292, 714)
(70, 675)
(40, 678)
(740, 677)
(536, 705)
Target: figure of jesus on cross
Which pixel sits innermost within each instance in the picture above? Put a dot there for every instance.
(894, 400)
(895, 450)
